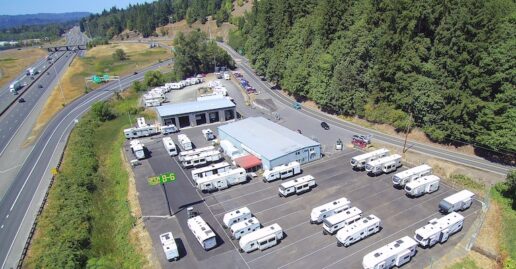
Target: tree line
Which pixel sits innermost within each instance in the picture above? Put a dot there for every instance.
(445, 67)
(45, 32)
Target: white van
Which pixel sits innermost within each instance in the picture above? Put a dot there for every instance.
(169, 246)
(170, 146)
(402, 178)
(235, 216)
(358, 162)
(261, 239)
(336, 222)
(357, 231)
(321, 212)
(396, 253)
(438, 230)
(298, 186)
(420, 186)
(282, 172)
(242, 228)
(459, 201)
(202, 232)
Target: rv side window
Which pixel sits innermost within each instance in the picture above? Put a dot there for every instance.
(252, 244)
(371, 229)
(263, 243)
(271, 240)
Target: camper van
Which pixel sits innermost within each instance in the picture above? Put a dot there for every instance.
(282, 172)
(383, 165)
(459, 201)
(396, 253)
(261, 239)
(210, 170)
(242, 228)
(420, 186)
(138, 149)
(169, 246)
(298, 186)
(222, 181)
(184, 141)
(201, 159)
(358, 162)
(235, 216)
(336, 222)
(192, 152)
(137, 132)
(202, 232)
(357, 231)
(208, 134)
(438, 230)
(168, 129)
(170, 146)
(402, 178)
(319, 213)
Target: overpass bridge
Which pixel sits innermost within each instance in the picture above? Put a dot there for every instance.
(66, 48)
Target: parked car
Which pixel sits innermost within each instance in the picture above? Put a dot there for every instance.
(365, 138)
(296, 105)
(325, 125)
(40, 86)
(21, 100)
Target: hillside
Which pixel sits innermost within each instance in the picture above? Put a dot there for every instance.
(9, 21)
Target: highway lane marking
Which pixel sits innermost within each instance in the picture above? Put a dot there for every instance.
(7, 170)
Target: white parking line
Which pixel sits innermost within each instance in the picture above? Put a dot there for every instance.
(284, 216)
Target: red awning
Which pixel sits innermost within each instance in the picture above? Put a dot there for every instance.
(248, 161)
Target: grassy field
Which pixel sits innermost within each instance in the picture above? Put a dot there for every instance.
(508, 224)
(13, 62)
(464, 264)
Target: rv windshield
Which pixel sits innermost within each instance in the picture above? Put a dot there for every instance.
(445, 205)
(282, 189)
(407, 188)
(419, 237)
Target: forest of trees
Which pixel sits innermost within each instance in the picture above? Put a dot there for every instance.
(144, 18)
(446, 66)
(45, 32)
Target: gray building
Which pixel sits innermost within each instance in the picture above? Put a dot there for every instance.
(197, 112)
(272, 143)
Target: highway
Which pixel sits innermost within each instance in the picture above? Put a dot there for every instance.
(429, 150)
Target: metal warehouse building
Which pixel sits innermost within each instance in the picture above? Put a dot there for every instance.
(272, 143)
(196, 113)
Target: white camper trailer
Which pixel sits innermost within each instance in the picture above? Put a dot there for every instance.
(282, 172)
(210, 170)
(208, 134)
(242, 228)
(396, 253)
(169, 246)
(319, 213)
(138, 149)
(359, 230)
(358, 162)
(229, 149)
(184, 141)
(141, 122)
(459, 201)
(402, 178)
(222, 181)
(262, 239)
(193, 152)
(383, 165)
(137, 132)
(201, 159)
(438, 230)
(336, 222)
(420, 186)
(202, 232)
(298, 186)
(168, 129)
(170, 146)
(235, 216)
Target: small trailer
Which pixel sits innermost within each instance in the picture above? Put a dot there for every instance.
(242, 228)
(383, 165)
(420, 186)
(202, 232)
(210, 170)
(138, 149)
(236, 216)
(359, 230)
(170, 146)
(282, 172)
(261, 239)
(336, 222)
(359, 162)
(319, 213)
(229, 149)
(396, 253)
(208, 134)
(438, 230)
(168, 129)
(222, 181)
(298, 186)
(402, 178)
(184, 141)
(169, 246)
(140, 122)
(459, 201)
(193, 152)
(137, 132)
(201, 159)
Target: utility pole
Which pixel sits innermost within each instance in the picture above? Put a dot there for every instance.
(59, 83)
(407, 132)
(166, 197)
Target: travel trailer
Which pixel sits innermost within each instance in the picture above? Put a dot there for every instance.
(229, 149)
(420, 186)
(319, 213)
(170, 146)
(402, 178)
(201, 159)
(282, 172)
(235, 216)
(358, 162)
(383, 165)
(184, 141)
(202, 232)
(192, 152)
(438, 230)
(222, 181)
(336, 222)
(396, 253)
(168, 129)
(459, 201)
(242, 228)
(169, 246)
(298, 186)
(210, 170)
(261, 239)
(138, 149)
(359, 230)
(137, 132)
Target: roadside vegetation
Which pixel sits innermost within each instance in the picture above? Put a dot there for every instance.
(13, 62)
(504, 194)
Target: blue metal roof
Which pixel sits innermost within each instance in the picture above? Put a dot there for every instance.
(192, 107)
(266, 138)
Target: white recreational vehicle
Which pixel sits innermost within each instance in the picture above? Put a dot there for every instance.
(242, 228)
(193, 152)
(235, 216)
(208, 134)
(358, 162)
(383, 165)
(336, 222)
(438, 230)
(202, 232)
(168, 129)
(396, 253)
(402, 178)
(137, 132)
(201, 159)
(170, 146)
(359, 230)
(222, 181)
(422, 185)
(282, 172)
(458, 201)
(138, 149)
(169, 246)
(140, 122)
(210, 170)
(298, 186)
(229, 149)
(262, 239)
(319, 213)
(184, 141)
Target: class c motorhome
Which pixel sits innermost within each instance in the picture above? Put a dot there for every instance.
(235, 216)
(396, 253)
(242, 228)
(359, 230)
(298, 186)
(261, 239)
(170, 146)
(222, 181)
(210, 170)
(402, 178)
(138, 149)
(208, 134)
(359, 162)
(319, 213)
(282, 172)
(458, 201)
(420, 186)
(383, 165)
(169, 246)
(184, 141)
(336, 222)
(202, 232)
(438, 230)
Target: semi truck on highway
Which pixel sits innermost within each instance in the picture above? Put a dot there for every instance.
(15, 86)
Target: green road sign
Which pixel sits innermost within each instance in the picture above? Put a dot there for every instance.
(96, 79)
(163, 178)
(105, 77)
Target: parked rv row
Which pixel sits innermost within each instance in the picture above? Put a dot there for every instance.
(143, 129)
(184, 83)
(155, 96)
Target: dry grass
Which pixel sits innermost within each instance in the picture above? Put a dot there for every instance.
(13, 62)
(240, 11)
(209, 27)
